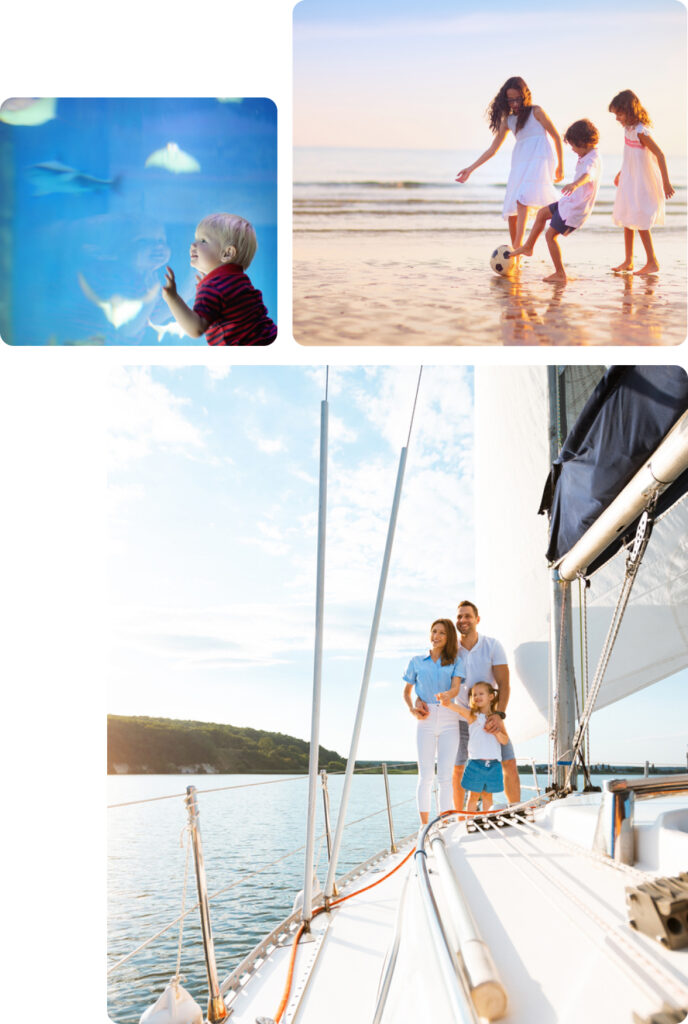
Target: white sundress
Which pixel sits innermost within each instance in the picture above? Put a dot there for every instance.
(533, 163)
(639, 201)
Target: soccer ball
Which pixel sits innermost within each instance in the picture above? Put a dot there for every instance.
(501, 261)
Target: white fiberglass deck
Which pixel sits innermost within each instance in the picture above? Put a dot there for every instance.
(553, 915)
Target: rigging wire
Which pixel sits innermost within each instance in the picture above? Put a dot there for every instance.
(239, 881)
(633, 561)
(413, 410)
(216, 789)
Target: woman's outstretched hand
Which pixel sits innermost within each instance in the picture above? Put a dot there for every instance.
(463, 175)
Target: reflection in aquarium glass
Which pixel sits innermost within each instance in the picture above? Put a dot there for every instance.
(97, 196)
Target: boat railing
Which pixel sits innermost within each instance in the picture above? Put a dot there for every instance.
(205, 898)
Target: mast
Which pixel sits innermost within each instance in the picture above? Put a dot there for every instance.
(561, 622)
(372, 640)
(317, 669)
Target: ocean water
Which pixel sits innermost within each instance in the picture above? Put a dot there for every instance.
(390, 190)
(243, 830)
(87, 228)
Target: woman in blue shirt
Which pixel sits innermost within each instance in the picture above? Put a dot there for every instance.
(439, 671)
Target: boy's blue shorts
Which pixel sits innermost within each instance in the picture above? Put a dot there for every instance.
(483, 776)
(559, 225)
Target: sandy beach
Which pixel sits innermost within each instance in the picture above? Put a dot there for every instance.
(436, 288)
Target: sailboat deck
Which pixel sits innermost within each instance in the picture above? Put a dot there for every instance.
(552, 914)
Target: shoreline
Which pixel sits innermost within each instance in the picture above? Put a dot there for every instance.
(429, 288)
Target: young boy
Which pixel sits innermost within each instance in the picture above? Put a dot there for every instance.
(227, 309)
(573, 209)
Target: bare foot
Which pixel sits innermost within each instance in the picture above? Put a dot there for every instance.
(649, 268)
(622, 267)
(556, 278)
(524, 250)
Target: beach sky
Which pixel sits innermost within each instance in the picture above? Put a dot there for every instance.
(383, 74)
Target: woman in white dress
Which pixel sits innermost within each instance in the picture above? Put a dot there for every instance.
(534, 166)
(642, 183)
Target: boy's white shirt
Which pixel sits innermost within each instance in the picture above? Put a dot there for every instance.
(575, 209)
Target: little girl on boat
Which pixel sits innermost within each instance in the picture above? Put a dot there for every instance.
(482, 775)
(533, 168)
(642, 183)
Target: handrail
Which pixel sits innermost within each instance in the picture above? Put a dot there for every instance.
(455, 982)
(391, 960)
(487, 991)
(252, 874)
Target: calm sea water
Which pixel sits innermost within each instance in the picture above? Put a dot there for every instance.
(84, 221)
(243, 830)
(387, 190)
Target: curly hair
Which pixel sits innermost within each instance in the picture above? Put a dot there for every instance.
(582, 133)
(500, 105)
(626, 102)
(451, 648)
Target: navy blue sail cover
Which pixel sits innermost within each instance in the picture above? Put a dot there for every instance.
(627, 415)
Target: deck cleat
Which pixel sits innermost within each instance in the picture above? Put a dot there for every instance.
(660, 909)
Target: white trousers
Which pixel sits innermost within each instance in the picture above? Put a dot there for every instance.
(439, 732)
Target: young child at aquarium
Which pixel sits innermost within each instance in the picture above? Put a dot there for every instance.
(482, 775)
(227, 308)
(642, 183)
(577, 198)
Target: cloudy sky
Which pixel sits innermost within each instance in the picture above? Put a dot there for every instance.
(213, 499)
(212, 506)
(400, 74)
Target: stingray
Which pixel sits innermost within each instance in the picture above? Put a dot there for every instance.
(53, 176)
(173, 159)
(171, 328)
(28, 112)
(118, 309)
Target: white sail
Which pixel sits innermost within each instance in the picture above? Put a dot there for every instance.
(512, 462)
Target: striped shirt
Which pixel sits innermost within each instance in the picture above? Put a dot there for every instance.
(233, 308)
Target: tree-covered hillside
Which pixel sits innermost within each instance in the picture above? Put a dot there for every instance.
(165, 746)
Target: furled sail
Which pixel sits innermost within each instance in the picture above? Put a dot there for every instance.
(512, 461)
(628, 414)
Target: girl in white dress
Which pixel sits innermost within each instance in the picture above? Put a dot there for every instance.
(642, 183)
(534, 167)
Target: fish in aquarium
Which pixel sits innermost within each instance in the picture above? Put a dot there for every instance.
(118, 309)
(172, 158)
(172, 328)
(52, 176)
(29, 112)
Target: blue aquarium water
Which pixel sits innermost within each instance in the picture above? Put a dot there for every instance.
(95, 201)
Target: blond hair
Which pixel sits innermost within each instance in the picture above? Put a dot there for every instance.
(493, 693)
(228, 229)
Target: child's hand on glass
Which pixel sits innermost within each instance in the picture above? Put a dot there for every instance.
(169, 289)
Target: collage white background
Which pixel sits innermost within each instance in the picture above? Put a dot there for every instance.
(52, 470)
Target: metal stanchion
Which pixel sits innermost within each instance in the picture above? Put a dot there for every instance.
(217, 1010)
(328, 828)
(535, 778)
(392, 844)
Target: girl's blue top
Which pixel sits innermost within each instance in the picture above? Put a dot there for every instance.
(430, 677)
